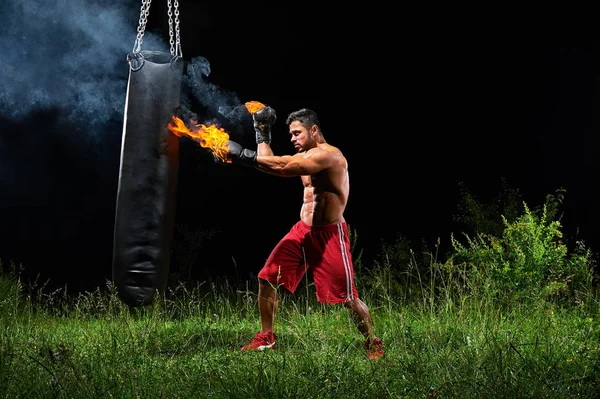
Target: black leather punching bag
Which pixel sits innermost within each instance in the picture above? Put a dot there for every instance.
(145, 210)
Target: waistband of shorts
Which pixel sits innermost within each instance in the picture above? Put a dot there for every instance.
(325, 227)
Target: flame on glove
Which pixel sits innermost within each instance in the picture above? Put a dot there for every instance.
(211, 136)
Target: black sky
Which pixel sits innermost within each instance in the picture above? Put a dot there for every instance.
(414, 111)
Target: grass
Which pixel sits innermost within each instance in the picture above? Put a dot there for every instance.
(186, 345)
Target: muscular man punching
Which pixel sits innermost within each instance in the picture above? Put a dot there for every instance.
(319, 240)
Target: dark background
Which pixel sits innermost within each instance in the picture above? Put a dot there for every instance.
(416, 109)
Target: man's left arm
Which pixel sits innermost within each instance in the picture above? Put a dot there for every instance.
(286, 165)
(301, 164)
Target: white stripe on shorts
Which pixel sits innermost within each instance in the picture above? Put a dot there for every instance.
(349, 293)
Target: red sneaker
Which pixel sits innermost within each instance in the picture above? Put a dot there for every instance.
(261, 341)
(374, 348)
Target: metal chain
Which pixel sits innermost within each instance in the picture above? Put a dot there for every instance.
(170, 14)
(174, 42)
(144, 12)
(178, 51)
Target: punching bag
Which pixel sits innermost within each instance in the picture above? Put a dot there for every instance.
(145, 209)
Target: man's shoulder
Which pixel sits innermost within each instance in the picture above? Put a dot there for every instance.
(332, 156)
(330, 149)
(324, 152)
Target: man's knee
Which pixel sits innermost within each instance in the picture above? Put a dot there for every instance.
(265, 285)
(351, 304)
(356, 305)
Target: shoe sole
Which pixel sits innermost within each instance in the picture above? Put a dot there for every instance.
(261, 348)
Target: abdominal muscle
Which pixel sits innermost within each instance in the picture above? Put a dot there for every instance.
(321, 209)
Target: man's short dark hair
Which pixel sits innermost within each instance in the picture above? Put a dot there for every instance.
(307, 117)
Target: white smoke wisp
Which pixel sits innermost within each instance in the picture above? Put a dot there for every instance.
(70, 56)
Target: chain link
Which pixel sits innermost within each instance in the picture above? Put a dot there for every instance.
(178, 51)
(144, 12)
(175, 42)
(170, 14)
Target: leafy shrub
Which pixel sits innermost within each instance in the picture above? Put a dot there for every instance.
(528, 261)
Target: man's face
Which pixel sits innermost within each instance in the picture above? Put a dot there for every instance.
(301, 138)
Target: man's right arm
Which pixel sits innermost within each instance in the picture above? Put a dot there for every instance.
(263, 122)
(264, 149)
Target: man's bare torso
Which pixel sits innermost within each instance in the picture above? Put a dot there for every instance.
(326, 192)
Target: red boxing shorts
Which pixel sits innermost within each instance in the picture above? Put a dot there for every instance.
(325, 250)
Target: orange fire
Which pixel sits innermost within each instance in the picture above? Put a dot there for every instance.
(211, 137)
(253, 106)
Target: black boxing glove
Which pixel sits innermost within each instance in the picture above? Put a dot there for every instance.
(264, 119)
(241, 155)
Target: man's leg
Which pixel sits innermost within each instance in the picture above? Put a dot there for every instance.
(267, 304)
(362, 317)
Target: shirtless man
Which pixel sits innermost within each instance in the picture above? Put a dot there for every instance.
(319, 240)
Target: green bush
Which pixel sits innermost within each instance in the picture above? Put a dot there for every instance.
(529, 261)
(519, 257)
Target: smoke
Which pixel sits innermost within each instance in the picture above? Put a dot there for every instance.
(63, 83)
(69, 56)
(223, 104)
